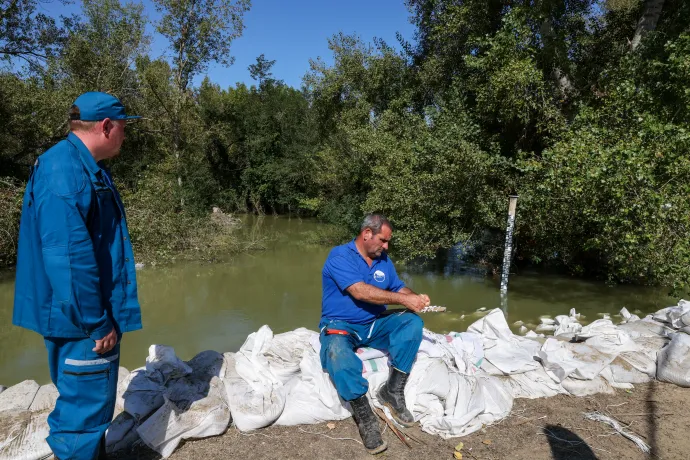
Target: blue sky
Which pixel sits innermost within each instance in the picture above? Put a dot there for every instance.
(289, 32)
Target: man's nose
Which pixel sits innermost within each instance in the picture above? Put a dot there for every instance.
(385, 246)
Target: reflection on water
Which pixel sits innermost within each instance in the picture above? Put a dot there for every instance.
(195, 307)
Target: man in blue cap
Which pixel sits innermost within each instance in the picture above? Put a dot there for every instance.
(75, 281)
(359, 280)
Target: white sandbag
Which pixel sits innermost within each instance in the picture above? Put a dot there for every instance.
(190, 418)
(607, 375)
(121, 434)
(374, 365)
(23, 433)
(603, 335)
(473, 401)
(546, 328)
(677, 316)
(498, 400)
(45, 399)
(366, 353)
(646, 327)
(122, 381)
(285, 352)
(624, 372)
(578, 387)
(563, 359)
(628, 317)
(651, 346)
(23, 430)
(163, 361)
(251, 408)
(673, 362)
(533, 384)
(567, 325)
(312, 398)
(510, 353)
(19, 397)
(458, 416)
(463, 351)
(251, 363)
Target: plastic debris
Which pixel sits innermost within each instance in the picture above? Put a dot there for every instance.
(598, 417)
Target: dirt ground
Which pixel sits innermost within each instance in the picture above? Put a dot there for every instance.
(539, 429)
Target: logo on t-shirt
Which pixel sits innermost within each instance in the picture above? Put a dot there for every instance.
(379, 276)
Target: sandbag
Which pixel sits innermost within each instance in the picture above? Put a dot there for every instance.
(188, 418)
(510, 353)
(577, 387)
(122, 433)
(646, 327)
(677, 316)
(142, 395)
(673, 362)
(624, 372)
(23, 430)
(252, 407)
(563, 359)
(18, 397)
(23, 433)
(533, 384)
(312, 398)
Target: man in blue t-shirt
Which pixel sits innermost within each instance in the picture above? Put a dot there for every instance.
(359, 280)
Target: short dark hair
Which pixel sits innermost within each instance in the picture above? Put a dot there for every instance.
(375, 222)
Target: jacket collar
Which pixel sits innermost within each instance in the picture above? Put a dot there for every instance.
(84, 154)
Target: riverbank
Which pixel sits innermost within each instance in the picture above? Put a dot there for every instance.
(536, 429)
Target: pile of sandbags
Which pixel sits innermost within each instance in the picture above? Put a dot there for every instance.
(459, 382)
(24, 410)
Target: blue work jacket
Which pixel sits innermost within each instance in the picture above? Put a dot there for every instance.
(75, 266)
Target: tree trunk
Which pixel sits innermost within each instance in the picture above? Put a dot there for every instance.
(647, 23)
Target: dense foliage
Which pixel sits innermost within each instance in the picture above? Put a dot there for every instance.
(582, 107)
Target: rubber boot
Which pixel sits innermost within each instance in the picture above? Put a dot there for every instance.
(392, 395)
(368, 425)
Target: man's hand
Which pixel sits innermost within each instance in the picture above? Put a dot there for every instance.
(416, 302)
(106, 343)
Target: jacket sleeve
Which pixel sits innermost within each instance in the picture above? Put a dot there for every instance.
(70, 261)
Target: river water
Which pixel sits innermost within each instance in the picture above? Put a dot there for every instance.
(195, 307)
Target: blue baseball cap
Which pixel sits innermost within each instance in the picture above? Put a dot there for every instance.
(95, 106)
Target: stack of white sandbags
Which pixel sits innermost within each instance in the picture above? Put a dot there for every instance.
(459, 382)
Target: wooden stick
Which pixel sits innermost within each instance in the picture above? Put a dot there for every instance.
(392, 426)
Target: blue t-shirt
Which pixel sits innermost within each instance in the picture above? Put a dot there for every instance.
(344, 267)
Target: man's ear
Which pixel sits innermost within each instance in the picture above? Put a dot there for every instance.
(106, 126)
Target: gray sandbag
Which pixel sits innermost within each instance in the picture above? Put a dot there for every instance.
(673, 361)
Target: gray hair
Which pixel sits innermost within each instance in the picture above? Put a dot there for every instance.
(375, 222)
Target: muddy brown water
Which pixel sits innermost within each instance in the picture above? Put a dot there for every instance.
(195, 307)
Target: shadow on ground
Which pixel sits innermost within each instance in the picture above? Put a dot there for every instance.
(566, 445)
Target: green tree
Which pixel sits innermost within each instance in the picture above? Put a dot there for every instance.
(261, 71)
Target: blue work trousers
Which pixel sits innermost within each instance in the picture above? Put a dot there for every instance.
(398, 332)
(87, 383)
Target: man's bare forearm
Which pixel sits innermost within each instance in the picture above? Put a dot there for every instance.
(371, 294)
(406, 290)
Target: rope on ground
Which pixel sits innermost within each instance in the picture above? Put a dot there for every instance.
(330, 437)
(599, 417)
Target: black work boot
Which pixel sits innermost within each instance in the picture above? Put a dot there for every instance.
(368, 425)
(392, 395)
